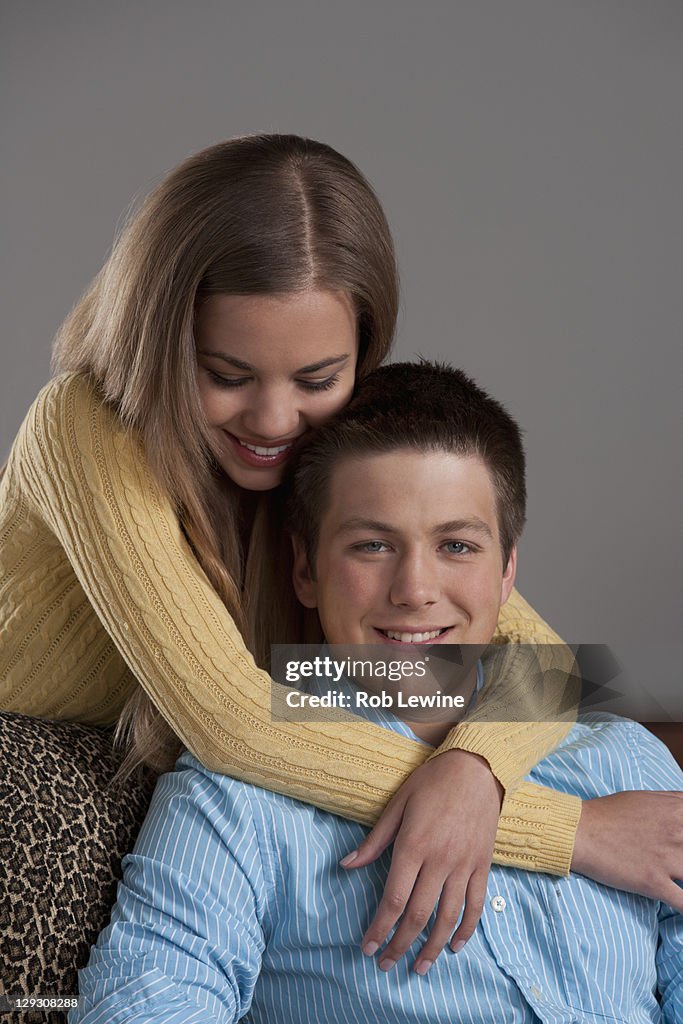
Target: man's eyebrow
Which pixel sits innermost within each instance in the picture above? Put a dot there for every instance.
(359, 523)
(239, 364)
(471, 523)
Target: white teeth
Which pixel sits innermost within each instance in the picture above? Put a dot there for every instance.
(413, 638)
(258, 450)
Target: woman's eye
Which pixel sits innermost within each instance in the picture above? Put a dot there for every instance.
(457, 547)
(319, 385)
(226, 382)
(238, 382)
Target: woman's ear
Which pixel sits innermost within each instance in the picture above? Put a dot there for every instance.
(509, 574)
(305, 586)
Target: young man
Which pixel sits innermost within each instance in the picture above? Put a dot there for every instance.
(406, 531)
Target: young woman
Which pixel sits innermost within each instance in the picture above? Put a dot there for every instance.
(139, 551)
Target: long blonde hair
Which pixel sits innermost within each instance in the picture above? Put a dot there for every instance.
(262, 214)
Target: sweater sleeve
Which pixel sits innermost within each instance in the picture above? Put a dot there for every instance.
(527, 707)
(87, 479)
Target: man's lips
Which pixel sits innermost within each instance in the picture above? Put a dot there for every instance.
(413, 635)
(260, 455)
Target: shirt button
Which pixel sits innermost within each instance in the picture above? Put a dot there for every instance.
(498, 904)
(536, 992)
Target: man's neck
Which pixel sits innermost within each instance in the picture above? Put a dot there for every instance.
(435, 730)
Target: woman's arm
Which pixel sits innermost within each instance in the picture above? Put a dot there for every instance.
(86, 479)
(529, 702)
(633, 839)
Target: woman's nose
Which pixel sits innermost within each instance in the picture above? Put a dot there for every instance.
(271, 415)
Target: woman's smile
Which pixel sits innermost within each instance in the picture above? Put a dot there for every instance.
(261, 453)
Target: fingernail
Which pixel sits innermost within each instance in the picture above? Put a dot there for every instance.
(458, 946)
(348, 859)
(423, 966)
(386, 964)
(370, 948)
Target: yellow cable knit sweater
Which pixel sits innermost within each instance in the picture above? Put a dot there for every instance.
(98, 589)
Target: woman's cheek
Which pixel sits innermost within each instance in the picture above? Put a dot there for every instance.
(334, 401)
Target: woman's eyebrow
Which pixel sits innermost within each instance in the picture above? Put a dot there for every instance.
(324, 363)
(239, 364)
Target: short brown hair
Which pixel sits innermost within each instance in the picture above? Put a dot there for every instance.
(421, 407)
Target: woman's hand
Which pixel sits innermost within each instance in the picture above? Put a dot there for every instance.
(633, 841)
(444, 820)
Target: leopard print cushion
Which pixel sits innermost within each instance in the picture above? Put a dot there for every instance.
(63, 832)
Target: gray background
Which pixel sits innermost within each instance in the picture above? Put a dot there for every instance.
(529, 156)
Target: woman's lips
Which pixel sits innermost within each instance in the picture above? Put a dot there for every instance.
(260, 458)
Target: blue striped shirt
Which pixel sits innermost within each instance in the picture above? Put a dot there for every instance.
(233, 901)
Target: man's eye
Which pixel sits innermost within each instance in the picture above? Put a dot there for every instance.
(457, 547)
(371, 547)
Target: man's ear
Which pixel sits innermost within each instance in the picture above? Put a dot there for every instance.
(305, 586)
(509, 574)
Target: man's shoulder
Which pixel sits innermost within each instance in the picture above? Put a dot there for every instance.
(604, 754)
(215, 811)
(197, 782)
(622, 736)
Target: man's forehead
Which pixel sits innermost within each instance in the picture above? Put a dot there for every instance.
(444, 490)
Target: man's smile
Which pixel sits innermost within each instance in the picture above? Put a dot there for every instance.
(411, 635)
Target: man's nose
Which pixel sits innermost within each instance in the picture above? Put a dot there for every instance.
(272, 414)
(415, 583)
